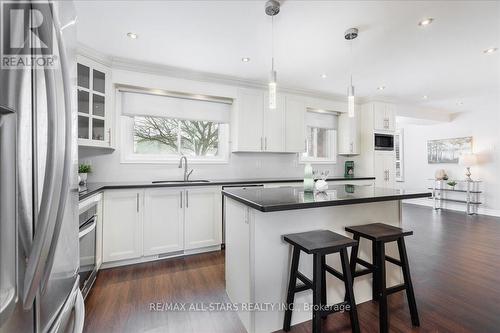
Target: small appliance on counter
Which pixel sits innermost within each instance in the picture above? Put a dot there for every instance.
(349, 169)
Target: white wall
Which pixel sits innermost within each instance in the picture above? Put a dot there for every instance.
(108, 168)
(484, 127)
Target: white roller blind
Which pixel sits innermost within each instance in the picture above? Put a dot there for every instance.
(139, 104)
(321, 119)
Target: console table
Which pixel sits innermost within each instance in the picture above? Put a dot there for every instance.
(466, 192)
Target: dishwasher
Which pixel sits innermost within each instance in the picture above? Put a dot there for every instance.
(223, 209)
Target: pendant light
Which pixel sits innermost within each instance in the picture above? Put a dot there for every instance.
(272, 8)
(350, 35)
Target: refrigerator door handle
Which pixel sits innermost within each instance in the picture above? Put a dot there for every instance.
(8, 221)
(48, 227)
(75, 303)
(68, 138)
(79, 313)
(37, 261)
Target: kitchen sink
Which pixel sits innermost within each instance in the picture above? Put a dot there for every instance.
(180, 181)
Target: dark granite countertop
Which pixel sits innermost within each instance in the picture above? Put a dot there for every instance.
(94, 188)
(290, 198)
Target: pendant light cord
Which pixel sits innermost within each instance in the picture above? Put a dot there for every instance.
(272, 43)
(352, 61)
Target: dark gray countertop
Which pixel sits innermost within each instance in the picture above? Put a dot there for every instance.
(290, 198)
(93, 188)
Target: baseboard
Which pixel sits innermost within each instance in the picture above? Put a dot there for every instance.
(182, 253)
(430, 203)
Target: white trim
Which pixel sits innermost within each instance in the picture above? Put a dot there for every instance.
(400, 134)
(176, 254)
(430, 203)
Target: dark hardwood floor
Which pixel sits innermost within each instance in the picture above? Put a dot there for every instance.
(455, 265)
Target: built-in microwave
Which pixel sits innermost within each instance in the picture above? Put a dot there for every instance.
(384, 142)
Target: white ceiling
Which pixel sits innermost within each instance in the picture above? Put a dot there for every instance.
(443, 60)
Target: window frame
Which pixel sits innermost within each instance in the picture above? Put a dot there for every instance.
(321, 160)
(129, 156)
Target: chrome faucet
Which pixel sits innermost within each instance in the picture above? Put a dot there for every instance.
(186, 173)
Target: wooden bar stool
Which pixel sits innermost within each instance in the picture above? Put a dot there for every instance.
(380, 234)
(319, 243)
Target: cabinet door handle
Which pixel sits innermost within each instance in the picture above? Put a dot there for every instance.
(187, 199)
(351, 147)
(137, 201)
(265, 143)
(261, 143)
(109, 137)
(180, 193)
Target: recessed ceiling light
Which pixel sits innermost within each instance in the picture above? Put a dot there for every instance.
(380, 87)
(426, 21)
(425, 97)
(245, 59)
(490, 50)
(132, 35)
(323, 76)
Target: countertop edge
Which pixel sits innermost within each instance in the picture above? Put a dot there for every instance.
(214, 183)
(296, 206)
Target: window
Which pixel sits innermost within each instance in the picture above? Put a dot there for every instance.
(321, 137)
(161, 129)
(167, 136)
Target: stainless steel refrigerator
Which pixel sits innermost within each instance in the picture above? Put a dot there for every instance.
(38, 177)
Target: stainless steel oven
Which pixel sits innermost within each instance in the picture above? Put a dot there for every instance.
(87, 235)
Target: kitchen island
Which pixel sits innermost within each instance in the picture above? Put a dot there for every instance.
(258, 260)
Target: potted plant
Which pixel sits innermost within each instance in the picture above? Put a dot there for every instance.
(452, 184)
(83, 170)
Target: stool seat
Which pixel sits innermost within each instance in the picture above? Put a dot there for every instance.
(378, 231)
(319, 241)
(379, 234)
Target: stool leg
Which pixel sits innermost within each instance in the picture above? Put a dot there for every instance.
(354, 256)
(382, 292)
(375, 284)
(291, 289)
(323, 282)
(317, 286)
(353, 312)
(408, 284)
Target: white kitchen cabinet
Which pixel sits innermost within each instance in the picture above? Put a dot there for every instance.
(295, 129)
(348, 135)
(248, 121)
(273, 134)
(256, 128)
(385, 169)
(384, 117)
(202, 217)
(122, 225)
(163, 229)
(94, 104)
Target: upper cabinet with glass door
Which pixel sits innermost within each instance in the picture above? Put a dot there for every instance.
(94, 107)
